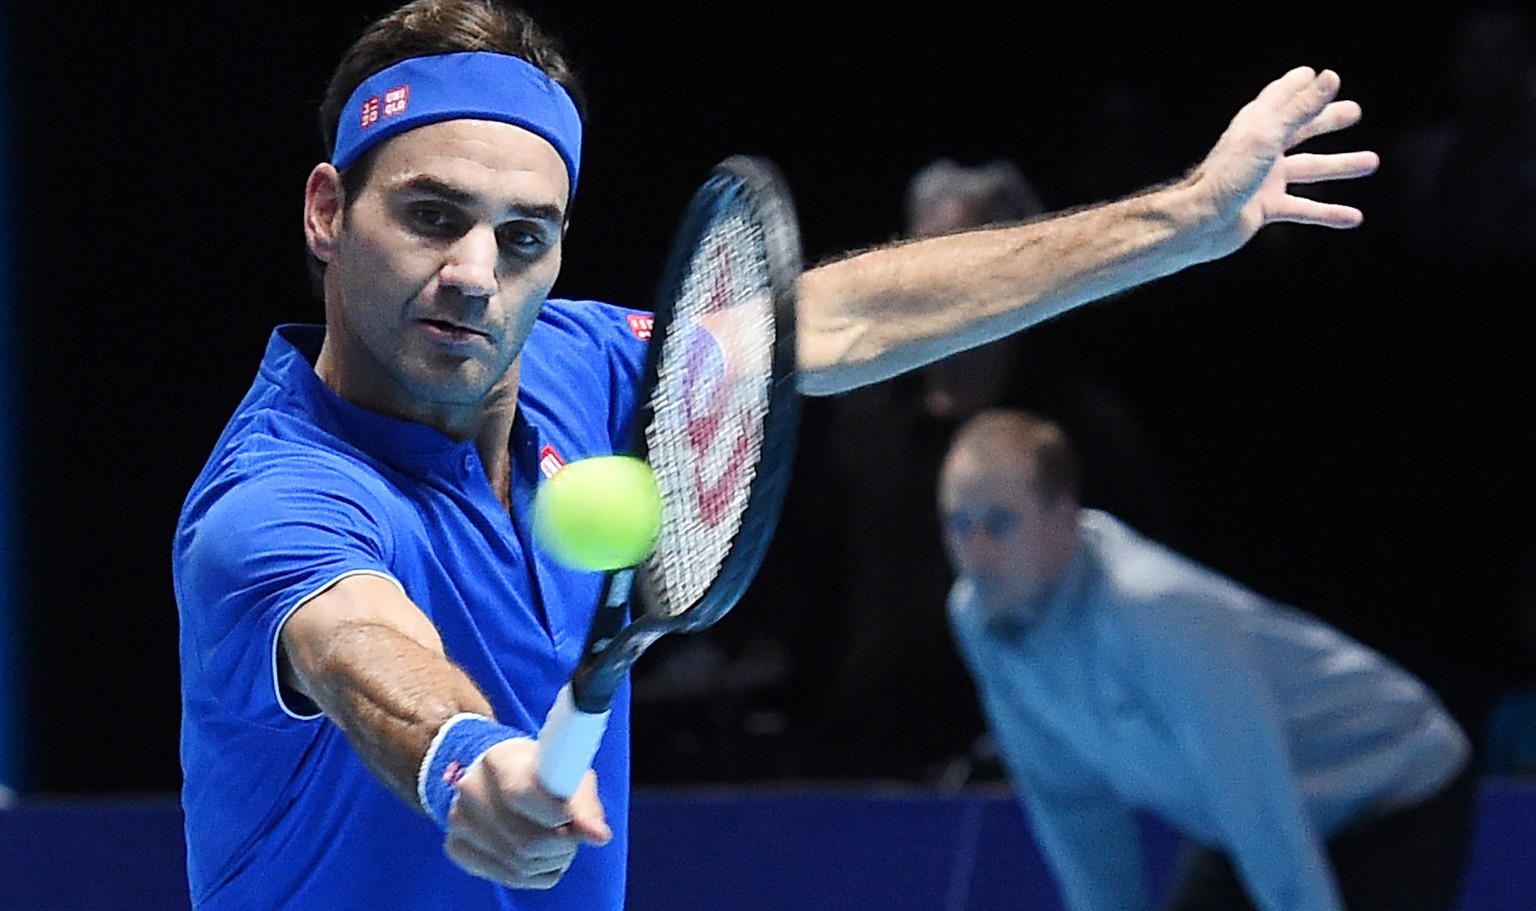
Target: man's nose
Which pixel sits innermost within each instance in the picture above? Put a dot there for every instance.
(472, 261)
(970, 549)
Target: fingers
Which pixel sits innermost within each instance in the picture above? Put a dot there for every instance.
(1303, 95)
(1312, 111)
(1304, 101)
(510, 849)
(505, 827)
(503, 788)
(1300, 210)
(1285, 90)
(1305, 167)
(535, 863)
(595, 834)
(587, 822)
(1334, 116)
(1309, 168)
(1247, 174)
(1290, 110)
(1294, 99)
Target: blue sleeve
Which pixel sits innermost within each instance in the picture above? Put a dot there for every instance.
(1204, 679)
(1089, 837)
(255, 550)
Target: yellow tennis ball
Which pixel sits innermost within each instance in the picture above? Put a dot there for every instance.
(600, 513)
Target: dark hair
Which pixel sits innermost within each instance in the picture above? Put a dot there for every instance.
(422, 28)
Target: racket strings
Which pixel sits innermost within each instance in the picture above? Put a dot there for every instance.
(711, 403)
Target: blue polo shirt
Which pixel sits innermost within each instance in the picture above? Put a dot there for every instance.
(303, 489)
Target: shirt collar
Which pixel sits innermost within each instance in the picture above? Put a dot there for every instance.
(406, 445)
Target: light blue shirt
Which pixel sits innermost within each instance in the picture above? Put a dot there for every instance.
(1144, 681)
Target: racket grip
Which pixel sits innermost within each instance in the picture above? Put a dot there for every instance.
(567, 742)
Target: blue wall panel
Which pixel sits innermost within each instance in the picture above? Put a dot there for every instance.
(700, 852)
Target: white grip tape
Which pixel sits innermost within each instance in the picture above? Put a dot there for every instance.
(567, 743)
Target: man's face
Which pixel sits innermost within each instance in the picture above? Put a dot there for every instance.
(441, 265)
(999, 534)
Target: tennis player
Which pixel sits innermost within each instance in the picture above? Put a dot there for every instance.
(1310, 773)
(367, 636)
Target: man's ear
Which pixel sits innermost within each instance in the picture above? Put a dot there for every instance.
(324, 205)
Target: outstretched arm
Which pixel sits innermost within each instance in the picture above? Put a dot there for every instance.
(372, 661)
(882, 312)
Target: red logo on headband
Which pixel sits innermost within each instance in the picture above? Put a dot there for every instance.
(369, 115)
(641, 325)
(396, 100)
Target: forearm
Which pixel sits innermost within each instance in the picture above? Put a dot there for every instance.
(1279, 854)
(885, 311)
(387, 692)
(1087, 835)
(1094, 850)
(1231, 724)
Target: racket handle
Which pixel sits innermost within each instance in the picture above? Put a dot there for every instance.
(567, 742)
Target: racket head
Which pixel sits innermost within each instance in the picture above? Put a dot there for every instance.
(716, 419)
(720, 417)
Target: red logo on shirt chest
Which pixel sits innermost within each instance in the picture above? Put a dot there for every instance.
(550, 461)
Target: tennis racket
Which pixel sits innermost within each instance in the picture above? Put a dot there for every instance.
(716, 419)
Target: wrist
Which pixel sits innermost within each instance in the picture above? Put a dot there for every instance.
(1195, 205)
(456, 747)
(1180, 222)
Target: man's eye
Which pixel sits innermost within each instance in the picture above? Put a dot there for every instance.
(521, 241)
(994, 523)
(432, 218)
(999, 523)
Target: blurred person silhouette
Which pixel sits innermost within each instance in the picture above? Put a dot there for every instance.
(883, 447)
(1468, 183)
(1118, 676)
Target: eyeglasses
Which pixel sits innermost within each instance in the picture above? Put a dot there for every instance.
(994, 523)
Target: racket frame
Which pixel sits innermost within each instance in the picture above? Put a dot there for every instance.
(619, 634)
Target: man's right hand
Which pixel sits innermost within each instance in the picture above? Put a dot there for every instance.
(506, 828)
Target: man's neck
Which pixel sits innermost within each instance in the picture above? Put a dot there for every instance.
(1032, 608)
(488, 424)
(493, 443)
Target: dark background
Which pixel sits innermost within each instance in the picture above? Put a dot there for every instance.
(1343, 421)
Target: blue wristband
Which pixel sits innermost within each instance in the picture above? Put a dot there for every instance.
(459, 744)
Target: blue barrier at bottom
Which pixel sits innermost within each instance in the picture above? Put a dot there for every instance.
(854, 850)
(695, 851)
(848, 850)
(119, 855)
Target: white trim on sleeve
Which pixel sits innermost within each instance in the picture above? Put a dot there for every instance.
(277, 635)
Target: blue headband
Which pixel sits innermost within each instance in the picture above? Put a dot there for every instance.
(476, 85)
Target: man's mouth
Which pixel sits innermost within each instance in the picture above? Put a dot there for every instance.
(453, 331)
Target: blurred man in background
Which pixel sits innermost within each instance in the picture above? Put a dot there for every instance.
(1308, 772)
